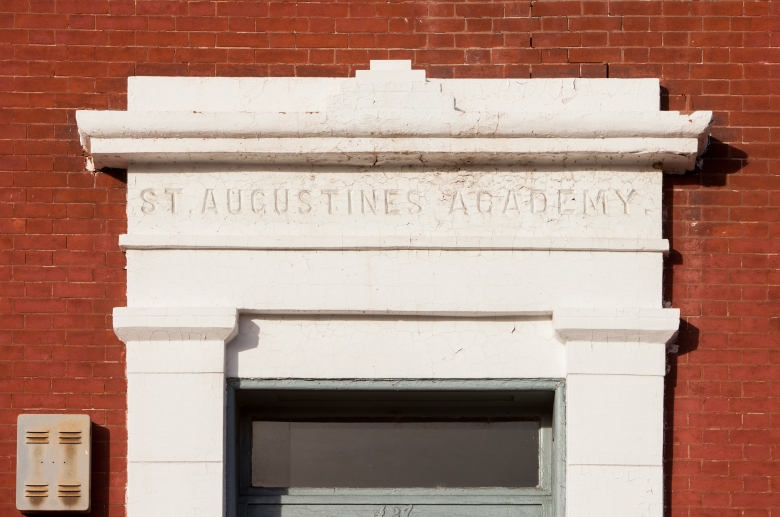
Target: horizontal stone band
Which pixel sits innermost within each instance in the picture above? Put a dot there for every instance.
(436, 124)
(669, 154)
(220, 242)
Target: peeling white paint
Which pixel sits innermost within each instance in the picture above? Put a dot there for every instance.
(511, 229)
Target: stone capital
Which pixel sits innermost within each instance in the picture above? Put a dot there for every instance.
(175, 323)
(634, 325)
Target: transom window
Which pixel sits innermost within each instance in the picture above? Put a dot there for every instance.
(422, 452)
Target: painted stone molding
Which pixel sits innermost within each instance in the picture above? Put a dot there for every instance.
(616, 324)
(394, 115)
(390, 226)
(175, 407)
(424, 204)
(175, 324)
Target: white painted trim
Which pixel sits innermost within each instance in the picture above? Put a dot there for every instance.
(221, 323)
(175, 408)
(669, 154)
(602, 133)
(440, 124)
(175, 323)
(227, 242)
(644, 325)
(302, 94)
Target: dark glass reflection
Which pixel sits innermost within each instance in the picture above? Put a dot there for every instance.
(382, 454)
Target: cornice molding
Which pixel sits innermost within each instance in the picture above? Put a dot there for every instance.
(175, 323)
(394, 115)
(616, 324)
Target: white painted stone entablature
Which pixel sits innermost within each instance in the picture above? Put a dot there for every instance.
(395, 117)
(390, 226)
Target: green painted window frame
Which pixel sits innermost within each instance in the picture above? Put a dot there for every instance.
(550, 495)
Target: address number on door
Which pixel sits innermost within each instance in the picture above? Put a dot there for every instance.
(394, 511)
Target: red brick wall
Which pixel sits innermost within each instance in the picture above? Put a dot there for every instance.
(61, 271)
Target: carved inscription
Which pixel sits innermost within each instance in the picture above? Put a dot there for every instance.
(389, 202)
(396, 203)
(394, 511)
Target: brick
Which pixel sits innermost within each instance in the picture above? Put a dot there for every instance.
(479, 25)
(322, 10)
(41, 21)
(556, 40)
(281, 25)
(410, 41)
(558, 8)
(676, 24)
(512, 25)
(361, 25)
(242, 40)
(479, 40)
(581, 55)
(635, 8)
(546, 70)
(675, 55)
(593, 23)
(478, 10)
(242, 9)
(440, 25)
(321, 40)
(516, 56)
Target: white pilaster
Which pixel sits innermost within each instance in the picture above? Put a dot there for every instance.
(176, 408)
(615, 361)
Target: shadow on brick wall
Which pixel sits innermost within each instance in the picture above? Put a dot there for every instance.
(101, 468)
(687, 341)
(718, 162)
(117, 174)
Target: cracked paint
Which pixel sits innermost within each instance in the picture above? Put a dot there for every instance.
(386, 270)
(401, 202)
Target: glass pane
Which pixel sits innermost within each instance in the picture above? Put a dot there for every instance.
(381, 454)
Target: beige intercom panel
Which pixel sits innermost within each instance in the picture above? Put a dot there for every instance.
(53, 456)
